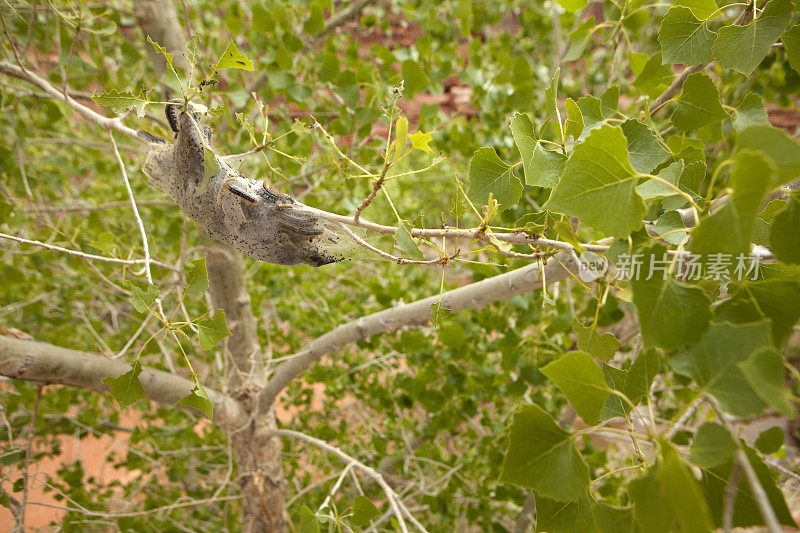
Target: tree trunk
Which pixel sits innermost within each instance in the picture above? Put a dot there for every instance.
(258, 454)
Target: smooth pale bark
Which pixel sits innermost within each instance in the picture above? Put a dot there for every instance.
(45, 363)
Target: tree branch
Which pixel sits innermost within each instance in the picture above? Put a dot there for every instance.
(677, 84)
(104, 122)
(45, 363)
(416, 314)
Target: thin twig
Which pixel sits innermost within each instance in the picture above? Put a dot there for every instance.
(28, 450)
(92, 257)
(394, 500)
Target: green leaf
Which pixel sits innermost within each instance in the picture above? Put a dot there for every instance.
(698, 104)
(212, 330)
(541, 456)
(542, 167)
(603, 346)
(551, 97)
(669, 498)
(654, 77)
(198, 399)
(308, 521)
(579, 39)
(750, 112)
(121, 101)
(415, 77)
(571, 6)
(646, 152)
(316, 19)
(684, 38)
(609, 101)
(641, 374)
(754, 301)
(565, 516)
(711, 363)
(105, 243)
(702, 9)
(712, 445)
(765, 373)
(439, 312)
(581, 381)
(406, 243)
(232, 58)
(592, 113)
(210, 168)
(488, 174)
(671, 221)
(142, 300)
(420, 141)
(765, 219)
(746, 511)
(163, 51)
(127, 389)
(653, 188)
(771, 440)
(574, 120)
(363, 511)
(784, 237)
(791, 43)
(742, 48)
(599, 179)
(671, 314)
(776, 145)
(196, 277)
(615, 406)
(730, 229)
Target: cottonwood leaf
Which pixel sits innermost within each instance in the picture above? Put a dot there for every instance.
(551, 96)
(655, 77)
(765, 219)
(752, 301)
(581, 381)
(654, 188)
(127, 389)
(212, 330)
(771, 440)
(711, 363)
(592, 114)
(784, 237)
(645, 151)
(698, 104)
(670, 222)
(599, 180)
(308, 521)
(668, 498)
(791, 43)
(232, 58)
(542, 167)
(406, 243)
(198, 399)
(684, 38)
(574, 123)
(742, 48)
(712, 445)
(490, 175)
(702, 9)
(571, 6)
(542, 456)
(363, 511)
(196, 277)
(750, 112)
(777, 146)
(163, 51)
(142, 300)
(420, 141)
(765, 373)
(730, 229)
(121, 101)
(671, 314)
(603, 346)
(439, 312)
(746, 511)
